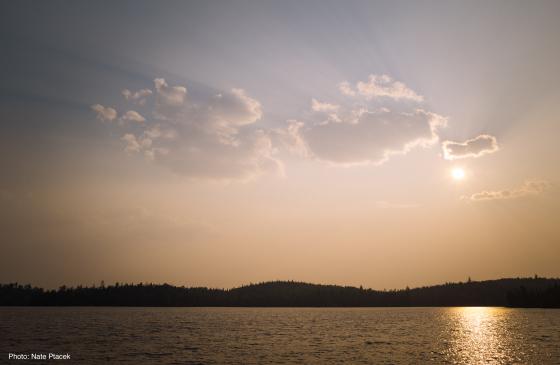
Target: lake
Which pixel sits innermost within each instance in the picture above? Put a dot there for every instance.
(461, 335)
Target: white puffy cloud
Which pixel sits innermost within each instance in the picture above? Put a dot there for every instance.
(380, 86)
(219, 137)
(478, 146)
(529, 188)
(357, 133)
(104, 113)
(133, 116)
(138, 97)
(216, 138)
(318, 106)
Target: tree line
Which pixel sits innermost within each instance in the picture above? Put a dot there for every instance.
(515, 292)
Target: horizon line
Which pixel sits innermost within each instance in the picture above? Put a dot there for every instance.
(118, 283)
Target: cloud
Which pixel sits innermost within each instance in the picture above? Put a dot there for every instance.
(529, 188)
(133, 116)
(169, 95)
(373, 137)
(208, 157)
(292, 139)
(104, 113)
(318, 106)
(217, 137)
(380, 86)
(132, 144)
(229, 111)
(363, 136)
(481, 145)
(346, 89)
(138, 97)
(355, 132)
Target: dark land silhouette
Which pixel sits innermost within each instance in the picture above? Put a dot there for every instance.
(513, 292)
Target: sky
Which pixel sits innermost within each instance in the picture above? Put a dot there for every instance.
(383, 144)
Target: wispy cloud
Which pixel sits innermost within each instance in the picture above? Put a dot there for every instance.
(478, 146)
(380, 86)
(529, 188)
(318, 106)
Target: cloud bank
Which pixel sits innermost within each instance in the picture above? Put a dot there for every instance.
(479, 146)
(529, 188)
(219, 137)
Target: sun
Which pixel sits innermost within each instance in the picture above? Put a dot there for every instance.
(458, 173)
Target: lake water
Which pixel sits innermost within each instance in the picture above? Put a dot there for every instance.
(284, 335)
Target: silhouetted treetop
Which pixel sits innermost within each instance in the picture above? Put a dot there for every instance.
(519, 292)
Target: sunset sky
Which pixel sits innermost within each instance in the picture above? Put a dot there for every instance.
(381, 144)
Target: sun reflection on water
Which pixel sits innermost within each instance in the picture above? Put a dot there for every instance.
(480, 336)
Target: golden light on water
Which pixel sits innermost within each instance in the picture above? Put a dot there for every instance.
(481, 336)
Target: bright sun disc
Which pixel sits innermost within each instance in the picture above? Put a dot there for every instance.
(458, 173)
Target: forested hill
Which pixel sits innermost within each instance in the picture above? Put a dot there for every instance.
(519, 292)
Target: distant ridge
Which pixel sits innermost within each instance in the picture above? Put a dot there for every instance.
(512, 292)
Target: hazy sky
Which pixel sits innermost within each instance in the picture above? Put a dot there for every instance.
(215, 143)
